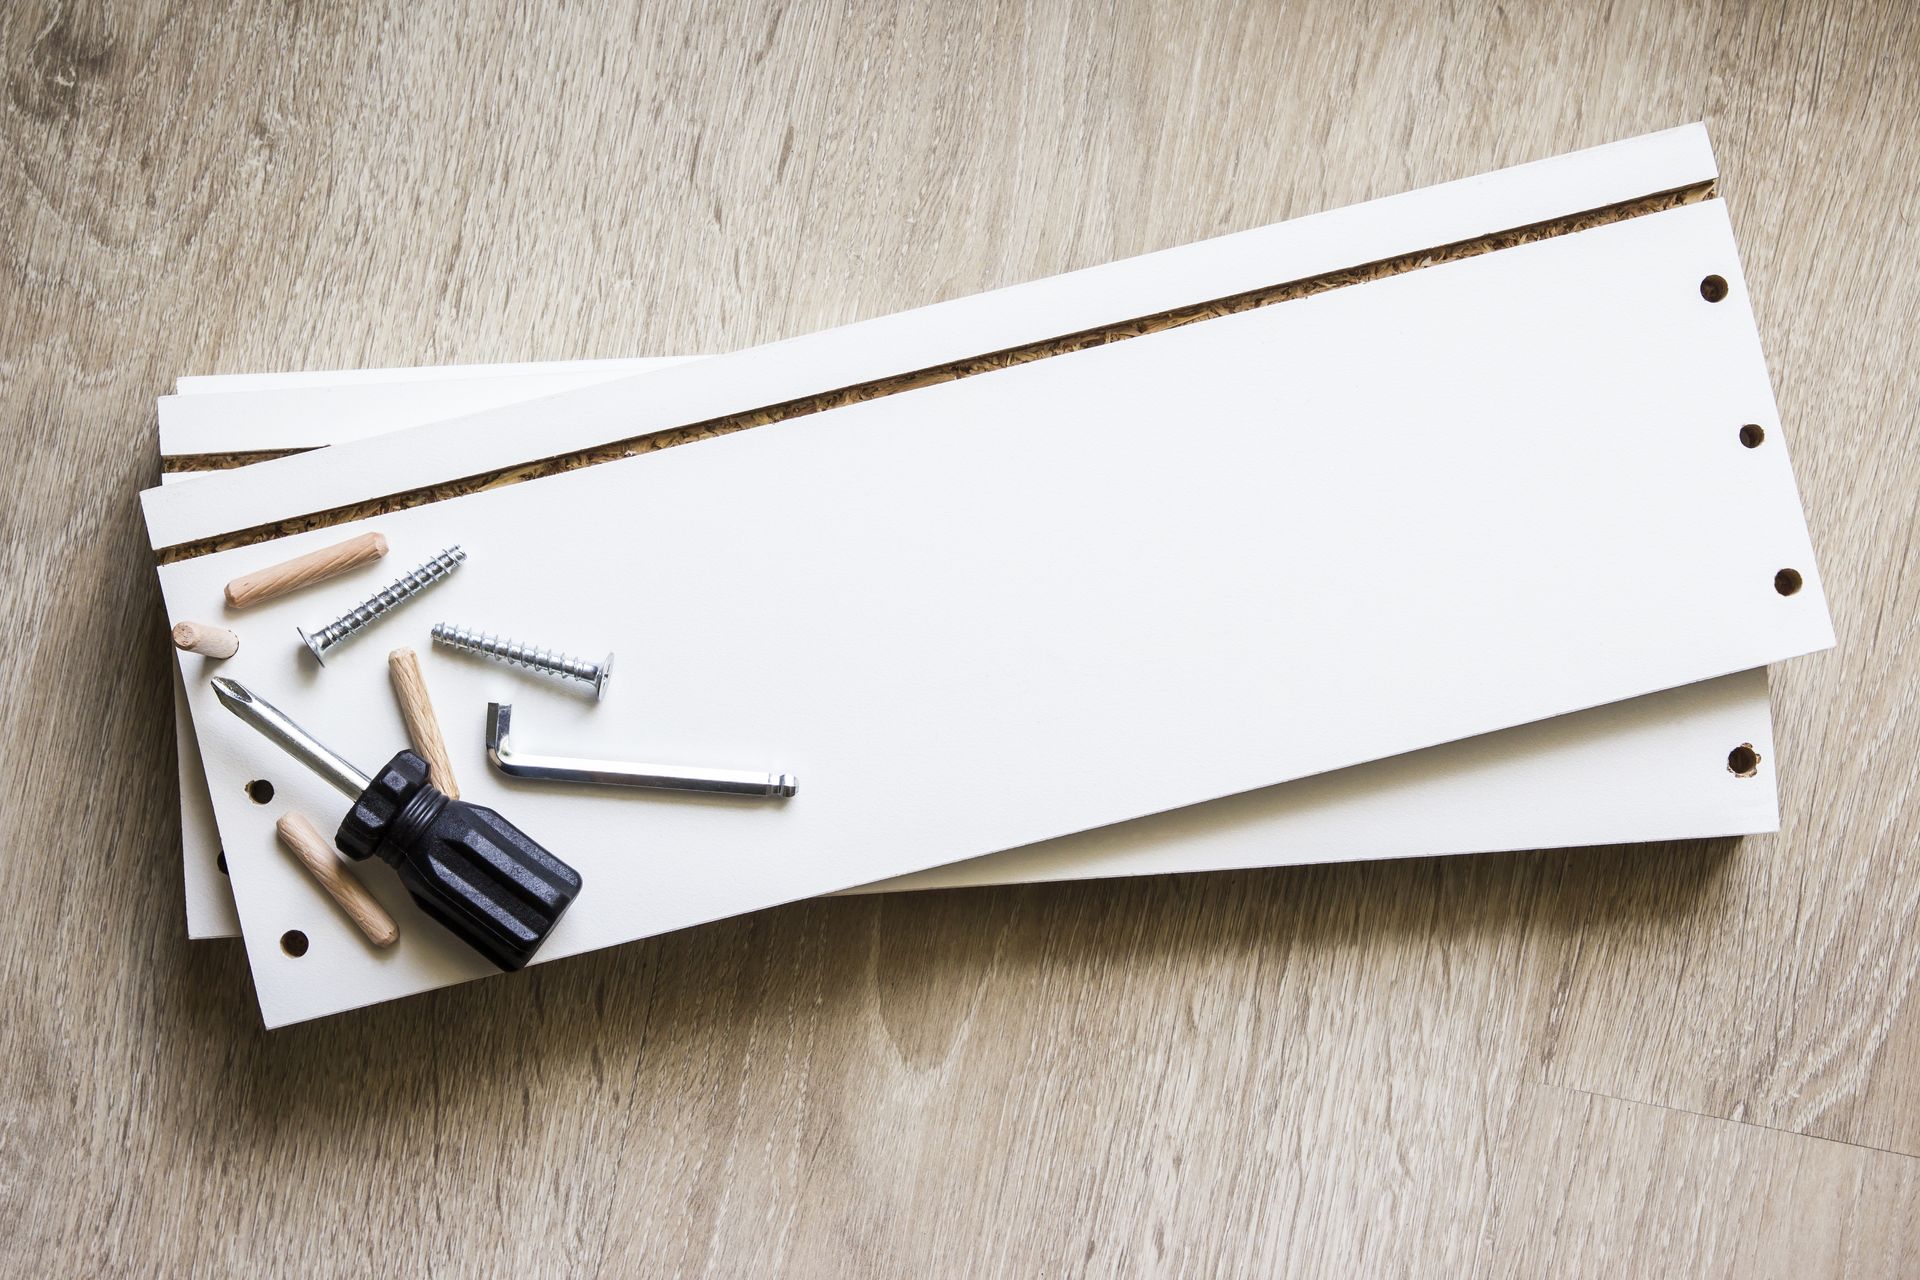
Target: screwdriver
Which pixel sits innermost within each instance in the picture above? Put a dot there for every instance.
(467, 867)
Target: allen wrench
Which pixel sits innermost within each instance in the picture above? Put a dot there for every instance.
(621, 773)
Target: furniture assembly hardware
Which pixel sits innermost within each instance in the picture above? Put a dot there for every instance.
(532, 657)
(619, 773)
(380, 602)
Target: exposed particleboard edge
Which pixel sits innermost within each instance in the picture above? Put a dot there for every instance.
(616, 450)
(188, 463)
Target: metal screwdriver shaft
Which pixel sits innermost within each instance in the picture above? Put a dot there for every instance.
(405, 587)
(291, 738)
(486, 880)
(533, 657)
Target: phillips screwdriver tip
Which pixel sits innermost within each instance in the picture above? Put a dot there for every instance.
(231, 691)
(291, 738)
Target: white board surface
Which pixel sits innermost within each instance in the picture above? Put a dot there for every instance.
(932, 336)
(1644, 769)
(303, 416)
(300, 409)
(1333, 566)
(294, 379)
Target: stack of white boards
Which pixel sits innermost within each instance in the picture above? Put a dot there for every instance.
(1456, 521)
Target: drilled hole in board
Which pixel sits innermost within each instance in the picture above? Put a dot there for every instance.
(1752, 434)
(221, 862)
(1787, 581)
(1713, 288)
(260, 791)
(294, 943)
(1743, 761)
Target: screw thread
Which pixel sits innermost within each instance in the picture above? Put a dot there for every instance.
(515, 653)
(406, 586)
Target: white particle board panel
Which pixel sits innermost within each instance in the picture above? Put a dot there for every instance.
(209, 898)
(937, 335)
(1651, 768)
(302, 415)
(203, 383)
(1075, 592)
(1648, 768)
(1341, 239)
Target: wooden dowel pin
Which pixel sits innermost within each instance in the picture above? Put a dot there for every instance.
(211, 642)
(278, 579)
(423, 727)
(317, 854)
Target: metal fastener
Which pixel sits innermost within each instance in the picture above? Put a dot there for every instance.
(622, 773)
(534, 658)
(405, 587)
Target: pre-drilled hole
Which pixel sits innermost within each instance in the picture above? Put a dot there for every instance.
(260, 791)
(1743, 761)
(1787, 581)
(1752, 434)
(221, 862)
(1713, 288)
(294, 943)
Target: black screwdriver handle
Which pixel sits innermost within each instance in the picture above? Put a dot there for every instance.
(467, 867)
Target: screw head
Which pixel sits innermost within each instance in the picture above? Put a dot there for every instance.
(313, 646)
(600, 681)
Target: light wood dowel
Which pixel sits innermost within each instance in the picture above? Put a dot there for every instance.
(317, 854)
(423, 727)
(278, 579)
(211, 642)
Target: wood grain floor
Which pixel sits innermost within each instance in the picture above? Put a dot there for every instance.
(1697, 1059)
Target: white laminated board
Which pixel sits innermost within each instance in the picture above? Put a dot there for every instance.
(1411, 223)
(968, 634)
(302, 409)
(291, 379)
(1644, 769)
(248, 414)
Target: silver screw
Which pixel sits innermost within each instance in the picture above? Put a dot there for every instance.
(405, 587)
(551, 661)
